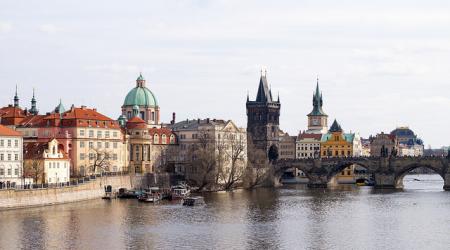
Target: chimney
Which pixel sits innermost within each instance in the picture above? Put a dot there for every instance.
(83, 107)
(95, 110)
(207, 120)
(198, 120)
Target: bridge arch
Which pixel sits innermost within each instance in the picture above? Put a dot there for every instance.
(402, 172)
(341, 166)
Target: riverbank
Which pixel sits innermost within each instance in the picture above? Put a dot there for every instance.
(15, 199)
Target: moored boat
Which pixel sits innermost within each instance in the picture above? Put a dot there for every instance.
(148, 197)
(179, 192)
(193, 201)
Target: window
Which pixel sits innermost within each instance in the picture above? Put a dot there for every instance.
(91, 133)
(1, 157)
(106, 134)
(16, 157)
(114, 134)
(172, 139)
(9, 143)
(99, 134)
(82, 132)
(164, 139)
(9, 157)
(9, 171)
(57, 165)
(16, 143)
(2, 171)
(91, 156)
(115, 157)
(81, 144)
(115, 145)
(82, 156)
(99, 144)
(91, 145)
(106, 144)
(156, 139)
(2, 143)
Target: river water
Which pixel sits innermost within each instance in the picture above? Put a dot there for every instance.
(291, 217)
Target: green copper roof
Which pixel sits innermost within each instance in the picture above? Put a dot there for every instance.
(328, 136)
(140, 78)
(140, 96)
(317, 103)
(60, 108)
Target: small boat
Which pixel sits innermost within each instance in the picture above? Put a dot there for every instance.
(361, 182)
(128, 194)
(146, 197)
(179, 192)
(365, 182)
(109, 193)
(193, 201)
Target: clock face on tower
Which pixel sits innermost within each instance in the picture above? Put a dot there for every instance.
(315, 121)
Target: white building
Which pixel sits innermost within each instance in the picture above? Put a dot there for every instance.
(47, 163)
(308, 145)
(11, 158)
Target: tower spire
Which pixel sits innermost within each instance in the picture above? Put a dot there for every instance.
(16, 99)
(33, 109)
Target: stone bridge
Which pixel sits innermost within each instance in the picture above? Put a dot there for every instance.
(387, 171)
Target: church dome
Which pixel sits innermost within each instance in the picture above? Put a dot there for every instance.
(140, 95)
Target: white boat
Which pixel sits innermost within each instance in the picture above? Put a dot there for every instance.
(179, 192)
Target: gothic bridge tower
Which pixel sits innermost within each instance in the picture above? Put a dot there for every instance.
(263, 120)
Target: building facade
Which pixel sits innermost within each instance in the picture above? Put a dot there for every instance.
(308, 145)
(46, 163)
(151, 150)
(383, 144)
(408, 142)
(11, 157)
(287, 146)
(223, 140)
(336, 143)
(263, 120)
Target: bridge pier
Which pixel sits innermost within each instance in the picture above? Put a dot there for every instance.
(317, 181)
(447, 182)
(385, 181)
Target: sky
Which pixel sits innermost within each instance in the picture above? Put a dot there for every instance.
(381, 64)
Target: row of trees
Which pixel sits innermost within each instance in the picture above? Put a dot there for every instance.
(222, 163)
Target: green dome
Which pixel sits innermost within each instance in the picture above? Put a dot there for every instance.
(140, 96)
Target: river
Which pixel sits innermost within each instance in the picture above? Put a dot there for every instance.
(291, 217)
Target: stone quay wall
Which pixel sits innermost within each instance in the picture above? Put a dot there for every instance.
(12, 199)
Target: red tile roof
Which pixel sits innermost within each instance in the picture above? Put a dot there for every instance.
(5, 131)
(310, 136)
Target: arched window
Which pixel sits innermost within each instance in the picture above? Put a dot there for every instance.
(172, 139)
(156, 139)
(54, 149)
(163, 139)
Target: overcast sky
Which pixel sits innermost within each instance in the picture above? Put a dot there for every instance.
(381, 64)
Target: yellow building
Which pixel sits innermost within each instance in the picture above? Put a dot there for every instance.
(336, 143)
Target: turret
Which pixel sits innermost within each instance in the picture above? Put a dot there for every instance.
(140, 81)
(33, 109)
(16, 99)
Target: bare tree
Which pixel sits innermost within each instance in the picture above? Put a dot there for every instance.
(203, 161)
(232, 147)
(34, 168)
(257, 168)
(99, 160)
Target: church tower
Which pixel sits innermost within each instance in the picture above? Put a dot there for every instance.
(317, 119)
(263, 119)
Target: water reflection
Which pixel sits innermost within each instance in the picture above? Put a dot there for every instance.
(293, 217)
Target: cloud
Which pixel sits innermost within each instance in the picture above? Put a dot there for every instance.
(49, 28)
(117, 68)
(5, 27)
